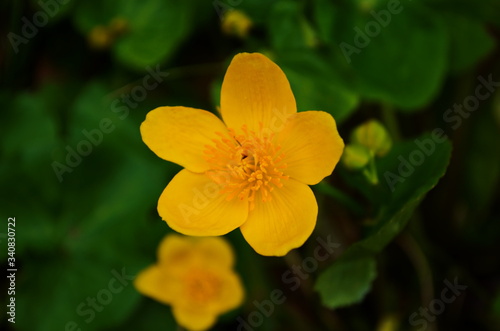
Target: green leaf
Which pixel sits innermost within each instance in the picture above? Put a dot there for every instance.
(122, 204)
(481, 163)
(484, 11)
(316, 85)
(421, 177)
(346, 282)
(288, 28)
(28, 138)
(67, 283)
(98, 224)
(259, 11)
(388, 54)
(31, 132)
(150, 315)
(397, 204)
(155, 28)
(325, 14)
(104, 206)
(120, 180)
(470, 42)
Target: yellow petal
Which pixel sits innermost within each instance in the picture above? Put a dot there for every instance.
(180, 134)
(217, 289)
(192, 319)
(311, 146)
(231, 294)
(254, 91)
(216, 251)
(285, 222)
(154, 283)
(191, 204)
(175, 252)
(178, 251)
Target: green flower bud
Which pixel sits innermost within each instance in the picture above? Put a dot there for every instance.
(355, 156)
(373, 136)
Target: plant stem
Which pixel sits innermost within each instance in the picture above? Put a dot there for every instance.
(421, 265)
(390, 120)
(370, 171)
(341, 197)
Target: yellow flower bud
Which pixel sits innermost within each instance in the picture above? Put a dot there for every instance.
(100, 37)
(236, 22)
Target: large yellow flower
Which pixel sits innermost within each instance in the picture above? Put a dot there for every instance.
(251, 170)
(195, 277)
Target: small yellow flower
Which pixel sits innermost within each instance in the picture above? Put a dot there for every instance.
(195, 277)
(251, 171)
(100, 37)
(236, 22)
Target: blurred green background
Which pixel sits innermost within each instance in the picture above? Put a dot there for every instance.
(78, 78)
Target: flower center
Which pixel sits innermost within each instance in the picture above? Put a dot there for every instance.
(247, 165)
(201, 286)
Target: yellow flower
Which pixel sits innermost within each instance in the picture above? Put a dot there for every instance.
(195, 277)
(236, 22)
(251, 171)
(100, 37)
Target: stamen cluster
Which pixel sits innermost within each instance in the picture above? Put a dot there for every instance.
(246, 164)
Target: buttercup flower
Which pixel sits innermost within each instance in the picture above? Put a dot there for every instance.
(195, 277)
(251, 170)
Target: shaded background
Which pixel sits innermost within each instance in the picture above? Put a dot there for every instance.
(83, 187)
